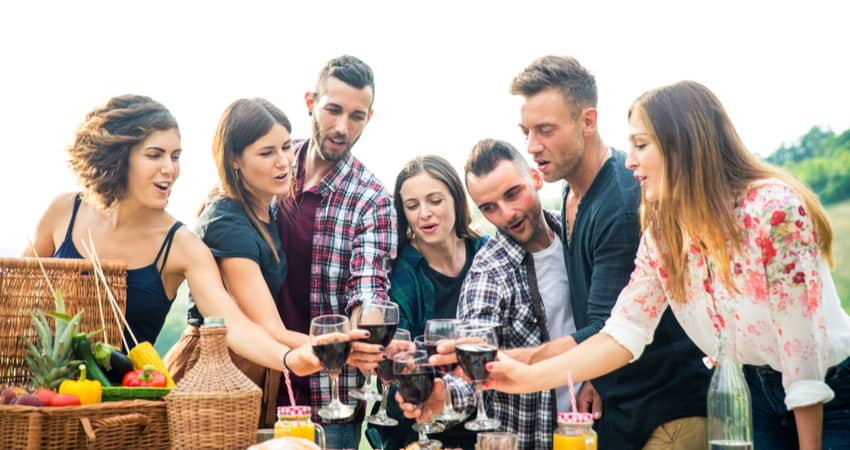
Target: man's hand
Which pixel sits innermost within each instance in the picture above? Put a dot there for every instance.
(589, 400)
(432, 406)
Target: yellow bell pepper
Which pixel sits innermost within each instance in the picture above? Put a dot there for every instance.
(88, 391)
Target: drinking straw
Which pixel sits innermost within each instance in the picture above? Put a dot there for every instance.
(572, 391)
(289, 387)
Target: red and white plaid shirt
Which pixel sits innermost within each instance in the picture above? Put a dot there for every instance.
(354, 244)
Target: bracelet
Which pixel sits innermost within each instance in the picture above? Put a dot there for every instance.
(286, 366)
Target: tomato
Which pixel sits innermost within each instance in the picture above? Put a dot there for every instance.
(45, 395)
(65, 400)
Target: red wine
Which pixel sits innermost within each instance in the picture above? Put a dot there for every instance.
(415, 387)
(443, 369)
(385, 371)
(473, 358)
(380, 333)
(333, 355)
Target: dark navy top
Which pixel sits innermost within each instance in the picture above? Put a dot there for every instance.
(669, 380)
(147, 302)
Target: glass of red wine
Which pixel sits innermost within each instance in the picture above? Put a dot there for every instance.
(401, 342)
(437, 330)
(331, 344)
(381, 320)
(414, 378)
(475, 347)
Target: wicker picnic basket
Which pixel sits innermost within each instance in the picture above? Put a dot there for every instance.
(130, 424)
(215, 406)
(23, 289)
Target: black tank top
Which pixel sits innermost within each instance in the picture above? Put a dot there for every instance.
(147, 302)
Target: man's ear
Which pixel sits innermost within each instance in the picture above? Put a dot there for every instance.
(310, 101)
(588, 120)
(536, 178)
(369, 117)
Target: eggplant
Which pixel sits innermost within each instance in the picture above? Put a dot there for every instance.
(120, 364)
(114, 363)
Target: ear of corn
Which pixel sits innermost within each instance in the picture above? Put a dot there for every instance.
(143, 354)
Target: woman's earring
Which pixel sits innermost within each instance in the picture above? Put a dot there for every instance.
(236, 174)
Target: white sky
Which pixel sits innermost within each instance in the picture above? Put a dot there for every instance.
(442, 71)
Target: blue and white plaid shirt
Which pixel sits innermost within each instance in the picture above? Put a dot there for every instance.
(496, 290)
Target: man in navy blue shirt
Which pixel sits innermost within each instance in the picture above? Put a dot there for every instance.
(657, 401)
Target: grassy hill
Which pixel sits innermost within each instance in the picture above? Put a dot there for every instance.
(839, 213)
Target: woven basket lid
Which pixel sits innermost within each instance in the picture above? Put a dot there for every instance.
(293, 411)
(575, 417)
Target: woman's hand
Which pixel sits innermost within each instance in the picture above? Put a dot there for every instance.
(302, 361)
(508, 375)
(364, 356)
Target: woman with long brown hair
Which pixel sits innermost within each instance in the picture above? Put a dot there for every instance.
(739, 250)
(253, 154)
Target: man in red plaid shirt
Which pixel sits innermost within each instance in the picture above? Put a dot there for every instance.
(338, 232)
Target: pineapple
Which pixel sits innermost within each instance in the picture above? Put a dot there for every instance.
(50, 358)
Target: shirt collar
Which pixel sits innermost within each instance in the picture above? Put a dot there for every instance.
(515, 252)
(333, 180)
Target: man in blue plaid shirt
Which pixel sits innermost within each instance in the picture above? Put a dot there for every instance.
(517, 282)
(338, 233)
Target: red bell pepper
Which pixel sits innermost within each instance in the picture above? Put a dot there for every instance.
(147, 377)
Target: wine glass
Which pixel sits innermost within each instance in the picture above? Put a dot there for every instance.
(331, 344)
(475, 347)
(385, 374)
(414, 377)
(381, 320)
(437, 330)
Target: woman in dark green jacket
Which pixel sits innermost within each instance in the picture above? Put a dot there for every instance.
(436, 248)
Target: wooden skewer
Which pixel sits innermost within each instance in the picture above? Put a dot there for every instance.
(99, 299)
(115, 309)
(41, 266)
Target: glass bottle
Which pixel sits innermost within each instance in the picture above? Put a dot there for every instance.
(730, 423)
(574, 432)
(295, 421)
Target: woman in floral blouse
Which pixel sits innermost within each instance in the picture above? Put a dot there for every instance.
(736, 248)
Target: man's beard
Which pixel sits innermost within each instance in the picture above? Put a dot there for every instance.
(319, 140)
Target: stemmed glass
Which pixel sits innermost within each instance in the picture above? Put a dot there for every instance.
(385, 374)
(381, 320)
(331, 344)
(475, 347)
(414, 377)
(437, 330)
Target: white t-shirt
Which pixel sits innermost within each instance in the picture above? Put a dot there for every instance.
(554, 289)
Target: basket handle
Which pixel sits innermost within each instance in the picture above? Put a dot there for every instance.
(141, 420)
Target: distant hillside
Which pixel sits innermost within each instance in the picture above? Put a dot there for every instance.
(839, 214)
(822, 160)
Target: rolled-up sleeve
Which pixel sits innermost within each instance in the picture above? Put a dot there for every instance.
(372, 253)
(640, 304)
(789, 252)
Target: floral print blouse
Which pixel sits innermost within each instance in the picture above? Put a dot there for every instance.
(786, 314)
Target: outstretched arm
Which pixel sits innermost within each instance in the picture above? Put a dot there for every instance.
(596, 356)
(245, 337)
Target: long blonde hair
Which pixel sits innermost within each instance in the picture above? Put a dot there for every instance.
(706, 162)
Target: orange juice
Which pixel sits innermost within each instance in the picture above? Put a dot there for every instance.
(295, 428)
(574, 432)
(560, 442)
(295, 421)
